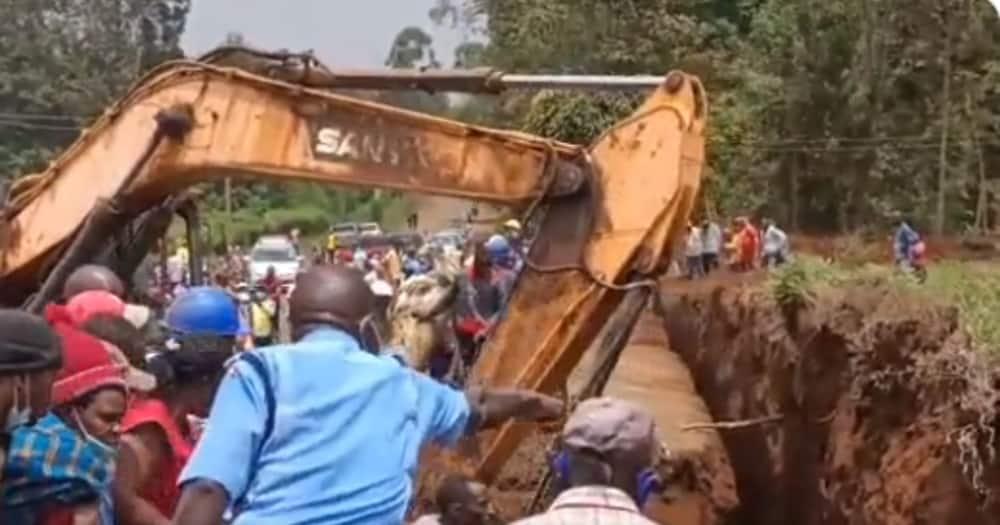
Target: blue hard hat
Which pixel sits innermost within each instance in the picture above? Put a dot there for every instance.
(204, 310)
(497, 245)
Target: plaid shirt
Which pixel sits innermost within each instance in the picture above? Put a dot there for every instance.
(591, 506)
(49, 463)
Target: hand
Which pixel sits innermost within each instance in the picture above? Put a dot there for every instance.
(547, 408)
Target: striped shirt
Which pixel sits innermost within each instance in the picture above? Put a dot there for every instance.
(591, 505)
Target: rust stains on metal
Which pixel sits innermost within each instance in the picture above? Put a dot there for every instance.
(674, 82)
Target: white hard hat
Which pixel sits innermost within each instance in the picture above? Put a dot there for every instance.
(512, 224)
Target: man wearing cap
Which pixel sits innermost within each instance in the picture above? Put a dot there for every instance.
(30, 355)
(98, 284)
(605, 467)
(84, 305)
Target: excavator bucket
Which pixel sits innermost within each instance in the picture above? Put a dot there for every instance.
(646, 175)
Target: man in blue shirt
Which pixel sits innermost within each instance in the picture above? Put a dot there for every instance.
(903, 243)
(322, 432)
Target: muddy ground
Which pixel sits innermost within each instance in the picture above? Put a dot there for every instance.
(871, 408)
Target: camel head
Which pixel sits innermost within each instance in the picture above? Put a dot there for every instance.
(421, 316)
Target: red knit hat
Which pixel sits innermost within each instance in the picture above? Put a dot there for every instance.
(87, 366)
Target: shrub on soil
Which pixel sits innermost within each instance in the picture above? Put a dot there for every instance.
(888, 399)
(962, 295)
(972, 287)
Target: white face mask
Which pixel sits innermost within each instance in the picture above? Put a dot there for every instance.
(108, 449)
(19, 416)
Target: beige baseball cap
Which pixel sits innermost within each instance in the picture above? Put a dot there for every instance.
(612, 428)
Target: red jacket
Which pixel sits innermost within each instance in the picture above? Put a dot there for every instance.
(161, 490)
(749, 244)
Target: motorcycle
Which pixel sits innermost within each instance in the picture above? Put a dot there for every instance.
(916, 263)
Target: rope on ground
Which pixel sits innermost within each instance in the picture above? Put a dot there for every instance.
(729, 425)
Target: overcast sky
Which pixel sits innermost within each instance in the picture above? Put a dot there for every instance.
(343, 33)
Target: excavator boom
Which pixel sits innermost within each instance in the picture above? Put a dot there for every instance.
(608, 214)
(304, 69)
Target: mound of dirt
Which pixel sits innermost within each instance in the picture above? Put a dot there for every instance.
(879, 411)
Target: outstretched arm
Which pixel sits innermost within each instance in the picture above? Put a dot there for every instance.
(491, 407)
(448, 414)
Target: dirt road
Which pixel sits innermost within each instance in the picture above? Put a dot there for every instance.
(654, 377)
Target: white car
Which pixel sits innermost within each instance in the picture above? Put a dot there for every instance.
(277, 252)
(369, 228)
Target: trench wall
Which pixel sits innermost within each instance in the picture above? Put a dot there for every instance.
(887, 415)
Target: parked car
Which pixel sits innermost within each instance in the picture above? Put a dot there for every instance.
(453, 238)
(279, 252)
(356, 229)
(369, 228)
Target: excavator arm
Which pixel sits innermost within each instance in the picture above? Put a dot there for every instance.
(607, 215)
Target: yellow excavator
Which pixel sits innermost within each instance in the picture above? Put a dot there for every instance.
(606, 215)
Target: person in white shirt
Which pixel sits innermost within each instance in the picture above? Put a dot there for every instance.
(693, 251)
(776, 249)
(711, 240)
(606, 466)
(360, 259)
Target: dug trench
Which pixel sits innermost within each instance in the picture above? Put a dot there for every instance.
(860, 405)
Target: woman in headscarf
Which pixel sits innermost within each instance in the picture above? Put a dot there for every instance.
(60, 470)
(158, 437)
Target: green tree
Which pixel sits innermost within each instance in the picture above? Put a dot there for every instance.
(411, 48)
(64, 61)
(827, 114)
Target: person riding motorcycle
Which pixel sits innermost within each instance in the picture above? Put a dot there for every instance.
(909, 249)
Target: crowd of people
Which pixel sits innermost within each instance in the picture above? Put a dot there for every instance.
(119, 413)
(741, 247)
(744, 247)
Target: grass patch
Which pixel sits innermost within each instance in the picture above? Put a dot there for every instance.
(972, 287)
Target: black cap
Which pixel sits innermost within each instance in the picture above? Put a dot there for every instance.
(27, 343)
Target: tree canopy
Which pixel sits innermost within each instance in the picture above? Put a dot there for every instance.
(64, 61)
(832, 115)
(828, 115)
